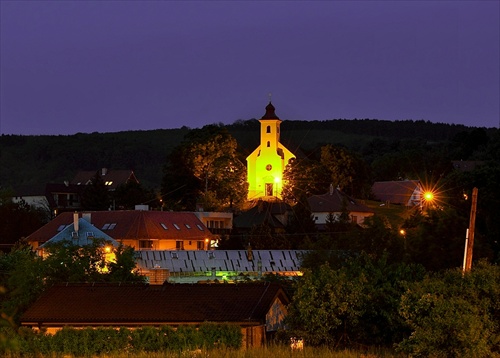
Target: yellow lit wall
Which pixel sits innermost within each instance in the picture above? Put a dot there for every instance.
(267, 162)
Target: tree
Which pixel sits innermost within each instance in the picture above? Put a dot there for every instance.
(128, 195)
(25, 275)
(18, 220)
(95, 195)
(205, 168)
(453, 315)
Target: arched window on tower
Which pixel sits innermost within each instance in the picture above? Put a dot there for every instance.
(268, 143)
(268, 130)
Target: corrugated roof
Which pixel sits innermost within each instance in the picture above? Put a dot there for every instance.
(94, 304)
(221, 260)
(132, 225)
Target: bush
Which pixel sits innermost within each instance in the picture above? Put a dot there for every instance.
(87, 342)
(451, 315)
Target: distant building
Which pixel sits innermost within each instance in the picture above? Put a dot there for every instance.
(265, 165)
(334, 203)
(404, 192)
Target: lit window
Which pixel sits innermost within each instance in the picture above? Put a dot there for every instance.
(164, 226)
(177, 226)
(109, 183)
(145, 244)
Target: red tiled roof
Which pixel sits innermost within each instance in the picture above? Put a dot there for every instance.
(132, 225)
(101, 304)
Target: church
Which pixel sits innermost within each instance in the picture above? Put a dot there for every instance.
(266, 164)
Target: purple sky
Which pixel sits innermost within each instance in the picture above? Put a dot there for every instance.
(108, 66)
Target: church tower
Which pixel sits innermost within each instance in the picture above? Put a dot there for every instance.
(267, 162)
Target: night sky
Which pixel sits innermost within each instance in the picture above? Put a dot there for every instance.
(109, 66)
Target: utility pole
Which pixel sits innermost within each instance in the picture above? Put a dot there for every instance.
(469, 237)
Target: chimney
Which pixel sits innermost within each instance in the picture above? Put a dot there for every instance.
(87, 217)
(75, 222)
(331, 189)
(249, 253)
(104, 171)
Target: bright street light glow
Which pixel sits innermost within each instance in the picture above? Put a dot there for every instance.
(428, 196)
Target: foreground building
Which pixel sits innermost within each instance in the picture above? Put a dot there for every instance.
(258, 308)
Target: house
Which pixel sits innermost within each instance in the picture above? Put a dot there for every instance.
(80, 233)
(265, 165)
(32, 195)
(112, 178)
(258, 308)
(66, 196)
(63, 197)
(272, 212)
(142, 230)
(404, 192)
(219, 223)
(222, 265)
(335, 202)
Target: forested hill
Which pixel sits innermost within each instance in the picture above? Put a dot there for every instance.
(32, 161)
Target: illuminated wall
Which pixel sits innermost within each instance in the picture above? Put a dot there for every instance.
(267, 162)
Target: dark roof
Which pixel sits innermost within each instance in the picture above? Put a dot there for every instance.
(397, 192)
(270, 112)
(113, 176)
(132, 225)
(262, 213)
(331, 202)
(100, 304)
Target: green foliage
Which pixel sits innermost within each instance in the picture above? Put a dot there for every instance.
(18, 220)
(357, 303)
(89, 342)
(454, 315)
(25, 274)
(205, 168)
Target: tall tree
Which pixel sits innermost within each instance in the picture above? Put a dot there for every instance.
(205, 169)
(95, 196)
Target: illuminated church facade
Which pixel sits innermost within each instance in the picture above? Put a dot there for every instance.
(266, 164)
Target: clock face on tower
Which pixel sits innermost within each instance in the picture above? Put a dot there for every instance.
(269, 167)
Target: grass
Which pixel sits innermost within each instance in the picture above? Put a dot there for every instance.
(271, 351)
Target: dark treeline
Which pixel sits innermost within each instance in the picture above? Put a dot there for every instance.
(31, 161)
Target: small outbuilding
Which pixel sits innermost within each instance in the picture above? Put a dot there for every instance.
(258, 308)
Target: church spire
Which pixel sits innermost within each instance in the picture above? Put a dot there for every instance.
(270, 112)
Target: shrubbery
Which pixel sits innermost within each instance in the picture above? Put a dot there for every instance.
(94, 341)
